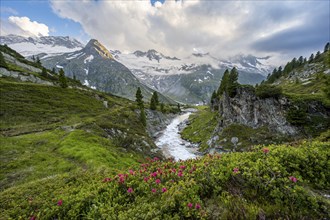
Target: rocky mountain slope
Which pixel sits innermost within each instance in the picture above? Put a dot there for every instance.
(191, 79)
(96, 68)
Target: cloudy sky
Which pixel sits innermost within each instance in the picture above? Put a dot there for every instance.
(282, 29)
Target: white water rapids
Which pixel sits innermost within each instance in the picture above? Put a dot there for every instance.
(171, 142)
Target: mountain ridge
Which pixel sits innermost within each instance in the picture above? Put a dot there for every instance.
(189, 80)
(96, 68)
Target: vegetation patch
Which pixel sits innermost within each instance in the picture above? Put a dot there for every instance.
(276, 182)
(48, 130)
(268, 91)
(201, 126)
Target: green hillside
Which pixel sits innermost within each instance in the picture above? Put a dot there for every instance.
(65, 154)
(273, 183)
(49, 130)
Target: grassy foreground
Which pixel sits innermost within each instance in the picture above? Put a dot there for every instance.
(277, 182)
(47, 131)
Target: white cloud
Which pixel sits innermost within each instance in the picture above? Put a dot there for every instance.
(35, 28)
(23, 26)
(176, 27)
(158, 4)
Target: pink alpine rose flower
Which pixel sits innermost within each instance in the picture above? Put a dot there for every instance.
(154, 190)
(60, 202)
(157, 181)
(106, 180)
(235, 170)
(197, 206)
(130, 190)
(293, 179)
(190, 205)
(265, 150)
(164, 190)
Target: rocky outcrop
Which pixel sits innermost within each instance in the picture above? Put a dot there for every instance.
(157, 122)
(24, 77)
(247, 109)
(13, 60)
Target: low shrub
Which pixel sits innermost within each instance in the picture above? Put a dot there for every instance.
(274, 182)
(268, 91)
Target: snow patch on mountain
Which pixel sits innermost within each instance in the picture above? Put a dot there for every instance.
(86, 70)
(72, 56)
(86, 83)
(88, 59)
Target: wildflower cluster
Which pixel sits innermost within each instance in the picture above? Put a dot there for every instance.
(226, 186)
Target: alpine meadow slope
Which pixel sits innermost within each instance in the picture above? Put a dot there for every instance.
(292, 104)
(71, 152)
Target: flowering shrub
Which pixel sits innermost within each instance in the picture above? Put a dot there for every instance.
(246, 185)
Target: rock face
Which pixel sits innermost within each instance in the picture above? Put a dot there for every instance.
(96, 68)
(24, 77)
(247, 109)
(157, 122)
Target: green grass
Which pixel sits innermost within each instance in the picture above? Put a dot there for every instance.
(201, 126)
(248, 137)
(47, 131)
(311, 91)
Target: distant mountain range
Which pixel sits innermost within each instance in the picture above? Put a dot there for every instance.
(190, 79)
(50, 45)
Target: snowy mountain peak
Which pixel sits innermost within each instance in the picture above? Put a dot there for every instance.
(153, 55)
(52, 45)
(95, 45)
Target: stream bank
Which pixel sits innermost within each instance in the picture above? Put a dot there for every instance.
(171, 143)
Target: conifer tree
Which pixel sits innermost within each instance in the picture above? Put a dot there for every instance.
(318, 54)
(139, 98)
(38, 62)
(3, 61)
(53, 71)
(213, 98)
(232, 84)
(311, 58)
(162, 107)
(143, 117)
(301, 60)
(224, 83)
(62, 79)
(179, 107)
(44, 72)
(155, 95)
(153, 105)
(327, 47)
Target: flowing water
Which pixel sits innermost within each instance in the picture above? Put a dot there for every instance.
(171, 142)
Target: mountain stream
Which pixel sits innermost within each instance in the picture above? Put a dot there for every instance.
(171, 143)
